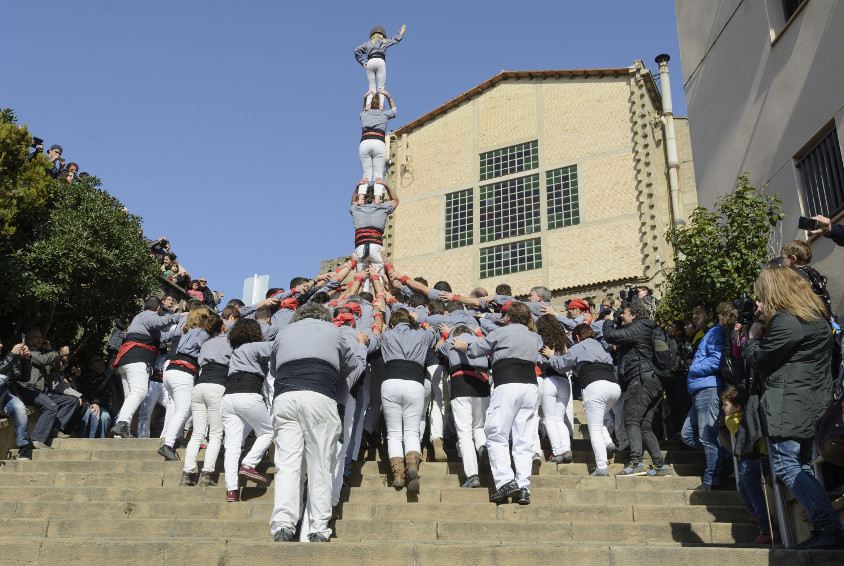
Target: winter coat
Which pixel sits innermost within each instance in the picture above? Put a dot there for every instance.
(794, 359)
(635, 348)
(705, 370)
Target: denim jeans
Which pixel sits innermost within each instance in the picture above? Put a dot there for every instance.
(790, 461)
(701, 431)
(751, 488)
(15, 408)
(92, 426)
(56, 410)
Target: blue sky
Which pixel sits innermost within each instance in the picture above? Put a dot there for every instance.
(232, 127)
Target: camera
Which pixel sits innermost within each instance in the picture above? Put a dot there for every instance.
(36, 141)
(630, 293)
(746, 307)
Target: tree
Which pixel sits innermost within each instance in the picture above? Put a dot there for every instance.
(24, 183)
(74, 262)
(720, 254)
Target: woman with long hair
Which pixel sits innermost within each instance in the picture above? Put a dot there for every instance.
(207, 395)
(375, 51)
(180, 374)
(556, 392)
(404, 347)
(792, 351)
(593, 368)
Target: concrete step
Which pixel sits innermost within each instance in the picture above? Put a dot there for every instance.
(370, 467)
(152, 465)
(19, 474)
(377, 494)
(545, 512)
(68, 552)
(512, 532)
(424, 511)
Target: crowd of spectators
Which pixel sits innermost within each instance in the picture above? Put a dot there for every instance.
(171, 269)
(59, 169)
(760, 370)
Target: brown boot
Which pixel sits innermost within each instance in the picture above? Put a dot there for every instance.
(188, 479)
(398, 472)
(413, 460)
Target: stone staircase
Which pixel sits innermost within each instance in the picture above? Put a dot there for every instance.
(115, 501)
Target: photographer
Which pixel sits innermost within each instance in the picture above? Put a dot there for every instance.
(792, 352)
(642, 389)
(54, 154)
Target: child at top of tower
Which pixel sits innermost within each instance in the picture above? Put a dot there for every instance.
(373, 146)
(375, 51)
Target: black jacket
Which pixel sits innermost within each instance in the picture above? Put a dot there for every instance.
(101, 389)
(208, 298)
(635, 348)
(794, 359)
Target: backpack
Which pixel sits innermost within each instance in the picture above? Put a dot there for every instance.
(830, 437)
(666, 354)
(818, 283)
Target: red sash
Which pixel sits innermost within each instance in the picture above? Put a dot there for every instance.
(128, 346)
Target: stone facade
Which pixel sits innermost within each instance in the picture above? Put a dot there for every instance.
(601, 122)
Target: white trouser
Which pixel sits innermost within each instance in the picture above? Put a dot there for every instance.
(402, 401)
(179, 385)
(512, 407)
(469, 413)
(342, 449)
(135, 379)
(155, 394)
(239, 409)
(598, 398)
(205, 407)
(374, 259)
(306, 425)
(436, 400)
(376, 77)
(540, 391)
(373, 158)
(555, 400)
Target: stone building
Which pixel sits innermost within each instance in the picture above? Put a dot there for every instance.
(765, 93)
(553, 178)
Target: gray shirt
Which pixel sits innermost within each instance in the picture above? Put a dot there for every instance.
(376, 119)
(511, 342)
(456, 357)
(371, 215)
(191, 342)
(215, 350)
(379, 48)
(253, 357)
(403, 342)
(588, 351)
(150, 323)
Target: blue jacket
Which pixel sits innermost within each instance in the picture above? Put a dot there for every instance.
(705, 370)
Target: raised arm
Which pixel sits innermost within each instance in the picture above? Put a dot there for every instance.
(383, 92)
(394, 199)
